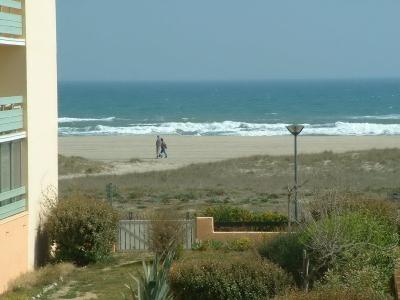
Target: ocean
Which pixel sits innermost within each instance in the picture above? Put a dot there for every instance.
(254, 108)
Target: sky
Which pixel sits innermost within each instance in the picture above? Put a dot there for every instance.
(171, 40)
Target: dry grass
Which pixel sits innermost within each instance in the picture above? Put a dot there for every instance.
(33, 283)
(42, 277)
(257, 183)
(103, 281)
(78, 165)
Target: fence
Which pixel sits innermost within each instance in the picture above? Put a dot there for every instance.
(135, 234)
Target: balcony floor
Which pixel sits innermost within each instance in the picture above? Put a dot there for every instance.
(11, 41)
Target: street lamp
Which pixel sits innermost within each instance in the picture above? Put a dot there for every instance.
(295, 130)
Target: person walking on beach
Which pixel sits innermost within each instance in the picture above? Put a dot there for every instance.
(158, 146)
(163, 148)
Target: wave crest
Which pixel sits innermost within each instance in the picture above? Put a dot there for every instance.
(231, 128)
(72, 120)
(378, 117)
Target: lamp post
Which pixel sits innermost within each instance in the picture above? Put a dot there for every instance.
(295, 130)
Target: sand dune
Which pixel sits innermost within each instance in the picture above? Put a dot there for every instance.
(184, 150)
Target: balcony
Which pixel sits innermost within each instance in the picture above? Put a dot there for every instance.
(12, 202)
(11, 114)
(11, 22)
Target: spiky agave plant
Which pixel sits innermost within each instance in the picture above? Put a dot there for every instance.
(153, 283)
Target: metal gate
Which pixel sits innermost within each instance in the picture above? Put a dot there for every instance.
(135, 234)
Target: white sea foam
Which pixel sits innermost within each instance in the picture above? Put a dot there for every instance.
(71, 120)
(378, 117)
(235, 129)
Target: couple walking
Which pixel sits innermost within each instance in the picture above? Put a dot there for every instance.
(160, 144)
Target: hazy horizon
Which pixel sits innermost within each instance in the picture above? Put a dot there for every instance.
(212, 41)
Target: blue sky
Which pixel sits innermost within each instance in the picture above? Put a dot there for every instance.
(227, 39)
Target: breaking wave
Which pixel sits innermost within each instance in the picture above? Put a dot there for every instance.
(232, 128)
(72, 120)
(378, 117)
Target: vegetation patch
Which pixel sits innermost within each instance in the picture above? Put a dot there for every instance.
(230, 278)
(196, 187)
(102, 281)
(82, 229)
(230, 218)
(72, 165)
(344, 248)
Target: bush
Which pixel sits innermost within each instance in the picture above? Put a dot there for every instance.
(236, 278)
(357, 248)
(226, 213)
(229, 216)
(367, 278)
(83, 230)
(349, 249)
(286, 250)
(333, 294)
(166, 232)
(241, 244)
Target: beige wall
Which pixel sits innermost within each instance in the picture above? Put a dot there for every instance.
(13, 248)
(205, 232)
(41, 60)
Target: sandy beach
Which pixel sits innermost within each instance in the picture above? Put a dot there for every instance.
(185, 150)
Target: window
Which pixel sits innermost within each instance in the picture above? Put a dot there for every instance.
(10, 169)
(5, 165)
(16, 173)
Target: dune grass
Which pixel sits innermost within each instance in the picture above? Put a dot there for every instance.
(258, 182)
(78, 165)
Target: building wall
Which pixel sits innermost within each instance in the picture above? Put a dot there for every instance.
(205, 231)
(13, 248)
(41, 87)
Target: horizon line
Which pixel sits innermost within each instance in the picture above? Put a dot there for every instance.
(224, 80)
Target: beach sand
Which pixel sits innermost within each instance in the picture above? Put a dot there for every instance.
(185, 150)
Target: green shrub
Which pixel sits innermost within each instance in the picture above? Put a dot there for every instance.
(333, 294)
(271, 217)
(241, 244)
(356, 248)
(215, 245)
(230, 214)
(367, 278)
(349, 249)
(200, 246)
(226, 213)
(83, 230)
(236, 278)
(286, 250)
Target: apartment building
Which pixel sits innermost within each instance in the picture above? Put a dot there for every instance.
(28, 128)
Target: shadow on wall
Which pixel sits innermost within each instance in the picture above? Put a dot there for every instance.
(42, 247)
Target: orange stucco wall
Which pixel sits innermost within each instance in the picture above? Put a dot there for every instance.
(205, 231)
(13, 248)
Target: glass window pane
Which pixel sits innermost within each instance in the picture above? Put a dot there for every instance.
(5, 161)
(16, 164)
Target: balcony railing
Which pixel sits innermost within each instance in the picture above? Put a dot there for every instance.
(12, 202)
(11, 114)
(11, 19)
